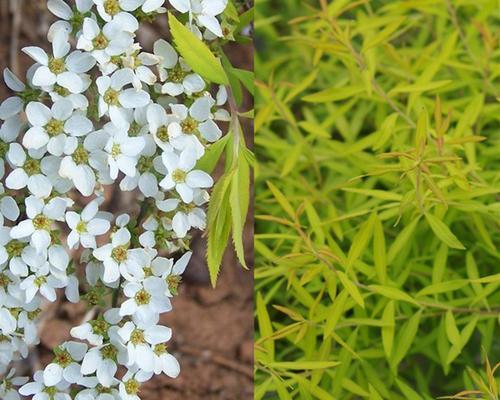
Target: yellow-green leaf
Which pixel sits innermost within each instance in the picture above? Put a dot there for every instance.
(351, 288)
(444, 233)
(388, 329)
(196, 53)
(333, 94)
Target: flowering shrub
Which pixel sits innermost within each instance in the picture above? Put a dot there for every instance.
(97, 109)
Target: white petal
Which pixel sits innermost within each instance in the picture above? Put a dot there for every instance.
(38, 114)
(23, 229)
(131, 98)
(37, 54)
(70, 81)
(98, 226)
(39, 185)
(52, 374)
(78, 125)
(17, 179)
(185, 192)
(44, 77)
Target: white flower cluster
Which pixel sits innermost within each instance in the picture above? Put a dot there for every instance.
(103, 112)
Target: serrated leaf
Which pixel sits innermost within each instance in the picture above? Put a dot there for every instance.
(239, 200)
(218, 225)
(196, 53)
(212, 155)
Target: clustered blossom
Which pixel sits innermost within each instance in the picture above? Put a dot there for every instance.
(103, 112)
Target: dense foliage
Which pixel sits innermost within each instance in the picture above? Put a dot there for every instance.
(377, 131)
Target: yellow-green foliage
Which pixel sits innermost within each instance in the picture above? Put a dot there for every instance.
(377, 233)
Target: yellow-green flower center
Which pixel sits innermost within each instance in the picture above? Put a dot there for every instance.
(61, 91)
(160, 349)
(15, 248)
(32, 166)
(111, 97)
(119, 254)
(176, 74)
(173, 282)
(132, 387)
(54, 127)
(63, 358)
(109, 352)
(100, 42)
(99, 327)
(4, 281)
(137, 337)
(189, 125)
(116, 150)
(162, 133)
(40, 280)
(142, 297)
(57, 66)
(51, 391)
(80, 156)
(134, 129)
(179, 176)
(112, 7)
(41, 222)
(144, 164)
(81, 227)
(102, 389)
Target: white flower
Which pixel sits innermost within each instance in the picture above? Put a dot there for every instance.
(102, 360)
(175, 72)
(181, 177)
(118, 258)
(114, 38)
(108, 9)
(140, 341)
(42, 281)
(81, 161)
(39, 390)
(204, 11)
(193, 124)
(8, 386)
(62, 68)
(131, 384)
(39, 223)
(190, 215)
(145, 178)
(27, 171)
(51, 126)
(97, 392)
(65, 364)
(69, 17)
(85, 227)
(146, 300)
(170, 272)
(95, 331)
(116, 101)
(158, 125)
(123, 152)
(12, 106)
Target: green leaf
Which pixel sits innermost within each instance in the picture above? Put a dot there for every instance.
(245, 77)
(405, 339)
(265, 327)
(451, 328)
(442, 287)
(218, 225)
(302, 365)
(401, 240)
(443, 232)
(351, 288)
(212, 154)
(388, 329)
(282, 200)
(360, 241)
(333, 94)
(379, 251)
(239, 201)
(334, 313)
(196, 53)
(392, 293)
(420, 87)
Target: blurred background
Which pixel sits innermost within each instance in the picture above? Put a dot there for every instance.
(213, 329)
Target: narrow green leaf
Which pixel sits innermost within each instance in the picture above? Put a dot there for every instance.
(451, 328)
(196, 53)
(442, 287)
(282, 200)
(401, 240)
(360, 241)
(333, 94)
(444, 233)
(334, 313)
(265, 327)
(212, 155)
(388, 329)
(392, 293)
(351, 288)
(405, 339)
(379, 251)
(303, 365)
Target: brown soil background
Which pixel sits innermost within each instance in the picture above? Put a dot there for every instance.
(213, 329)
